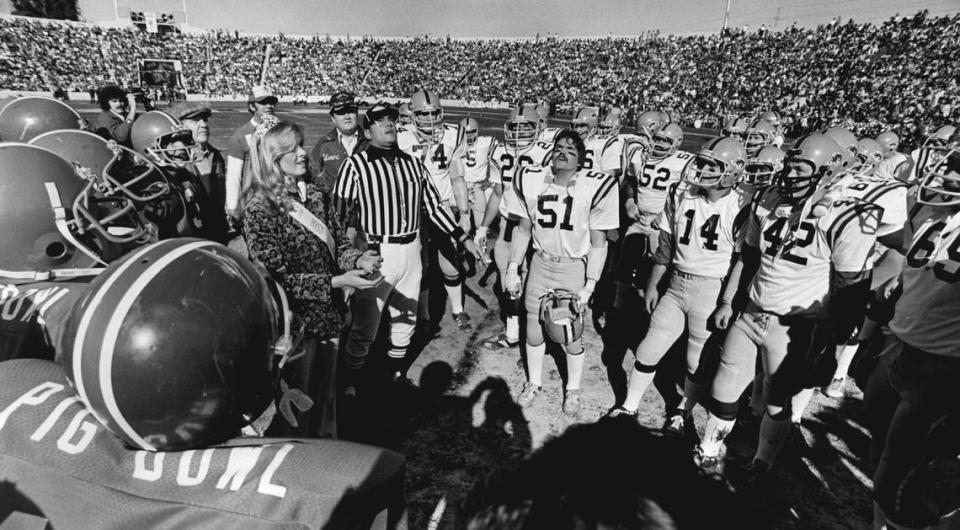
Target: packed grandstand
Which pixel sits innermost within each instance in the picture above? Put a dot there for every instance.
(849, 73)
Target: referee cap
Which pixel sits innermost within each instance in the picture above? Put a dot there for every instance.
(379, 110)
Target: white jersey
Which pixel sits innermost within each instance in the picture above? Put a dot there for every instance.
(891, 196)
(928, 313)
(440, 158)
(653, 179)
(889, 167)
(507, 162)
(603, 154)
(705, 234)
(797, 258)
(477, 159)
(548, 134)
(562, 216)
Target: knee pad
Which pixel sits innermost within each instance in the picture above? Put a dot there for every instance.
(644, 368)
(724, 411)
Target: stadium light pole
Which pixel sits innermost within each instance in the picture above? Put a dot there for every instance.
(726, 15)
(184, 2)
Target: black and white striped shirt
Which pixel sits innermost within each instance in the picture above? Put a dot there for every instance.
(388, 195)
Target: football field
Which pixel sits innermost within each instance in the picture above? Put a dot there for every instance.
(465, 422)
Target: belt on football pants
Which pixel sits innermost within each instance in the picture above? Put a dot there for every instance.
(558, 259)
(396, 240)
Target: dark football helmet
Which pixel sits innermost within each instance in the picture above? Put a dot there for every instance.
(177, 345)
(164, 140)
(24, 118)
(54, 222)
(118, 174)
(561, 316)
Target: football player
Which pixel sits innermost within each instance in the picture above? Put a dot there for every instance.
(477, 151)
(761, 134)
(61, 468)
(603, 151)
(519, 149)
(406, 117)
(440, 146)
(927, 155)
(565, 210)
(895, 165)
(700, 230)
(547, 133)
(807, 279)
(912, 396)
(737, 127)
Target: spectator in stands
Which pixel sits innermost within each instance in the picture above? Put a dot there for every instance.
(261, 102)
(211, 170)
(344, 140)
(119, 109)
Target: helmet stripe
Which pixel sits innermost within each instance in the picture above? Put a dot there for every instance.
(78, 341)
(113, 331)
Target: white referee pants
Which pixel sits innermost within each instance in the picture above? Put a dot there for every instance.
(402, 271)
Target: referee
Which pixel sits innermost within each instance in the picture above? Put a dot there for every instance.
(386, 190)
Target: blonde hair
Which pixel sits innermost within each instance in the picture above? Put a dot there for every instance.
(262, 174)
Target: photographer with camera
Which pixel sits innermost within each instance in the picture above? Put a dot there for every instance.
(119, 111)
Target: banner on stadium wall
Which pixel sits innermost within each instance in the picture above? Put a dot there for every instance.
(150, 19)
(160, 72)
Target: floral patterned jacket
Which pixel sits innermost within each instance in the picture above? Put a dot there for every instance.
(300, 261)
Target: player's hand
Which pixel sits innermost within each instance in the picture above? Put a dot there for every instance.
(511, 281)
(370, 261)
(480, 238)
(633, 211)
(650, 299)
(471, 247)
(464, 222)
(722, 316)
(131, 101)
(356, 279)
(584, 296)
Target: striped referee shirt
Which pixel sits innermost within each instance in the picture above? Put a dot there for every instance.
(389, 195)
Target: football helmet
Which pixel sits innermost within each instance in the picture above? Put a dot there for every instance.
(736, 127)
(762, 168)
(940, 181)
(845, 139)
(869, 155)
(825, 158)
(890, 142)
(470, 130)
(561, 316)
(164, 140)
(406, 115)
(54, 222)
(609, 126)
(522, 127)
(718, 164)
(759, 135)
(939, 137)
(649, 122)
(664, 117)
(177, 345)
(773, 117)
(120, 177)
(666, 141)
(427, 114)
(22, 119)
(585, 122)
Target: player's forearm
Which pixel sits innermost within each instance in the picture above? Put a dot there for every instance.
(596, 258)
(493, 206)
(234, 170)
(656, 275)
(460, 195)
(520, 242)
(729, 294)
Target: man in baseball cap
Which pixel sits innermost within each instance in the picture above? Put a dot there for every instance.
(345, 140)
(377, 112)
(210, 171)
(262, 94)
(260, 102)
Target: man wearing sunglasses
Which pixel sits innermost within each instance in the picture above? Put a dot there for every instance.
(344, 140)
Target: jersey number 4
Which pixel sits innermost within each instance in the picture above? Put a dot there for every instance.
(926, 247)
(440, 157)
(548, 216)
(708, 231)
(773, 236)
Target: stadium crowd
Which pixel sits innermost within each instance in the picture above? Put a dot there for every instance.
(839, 71)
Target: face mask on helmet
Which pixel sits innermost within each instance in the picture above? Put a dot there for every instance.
(119, 181)
(665, 141)
(940, 184)
(761, 170)
(648, 123)
(758, 137)
(561, 316)
(164, 140)
(798, 180)
(174, 347)
(609, 127)
(429, 122)
(708, 172)
(869, 155)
